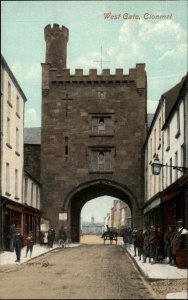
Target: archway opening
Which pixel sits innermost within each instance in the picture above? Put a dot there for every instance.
(93, 189)
(101, 213)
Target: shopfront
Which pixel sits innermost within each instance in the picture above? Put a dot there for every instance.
(24, 217)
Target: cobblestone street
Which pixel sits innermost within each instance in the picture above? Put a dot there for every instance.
(91, 271)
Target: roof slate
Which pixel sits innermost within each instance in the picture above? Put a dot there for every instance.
(32, 135)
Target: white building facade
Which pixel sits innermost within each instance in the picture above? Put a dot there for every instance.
(165, 194)
(15, 209)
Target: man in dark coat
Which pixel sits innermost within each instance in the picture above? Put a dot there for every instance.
(51, 236)
(140, 242)
(134, 239)
(159, 247)
(167, 243)
(146, 244)
(178, 240)
(152, 239)
(12, 233)
(18, 244)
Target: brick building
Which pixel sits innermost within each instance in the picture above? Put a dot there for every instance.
(93, 130)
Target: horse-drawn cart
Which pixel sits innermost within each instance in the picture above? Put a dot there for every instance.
(111, 236)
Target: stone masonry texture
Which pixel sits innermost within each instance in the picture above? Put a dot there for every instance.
(69, 102)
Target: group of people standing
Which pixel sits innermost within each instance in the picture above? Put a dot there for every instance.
(16, 241)
(156, 245)
(48, 237)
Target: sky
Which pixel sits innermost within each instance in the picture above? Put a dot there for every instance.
(97, 208)
(160, 44)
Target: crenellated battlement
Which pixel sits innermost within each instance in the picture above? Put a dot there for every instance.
(53, 30)
(136, 76)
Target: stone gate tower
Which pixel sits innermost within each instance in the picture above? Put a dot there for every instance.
(93, 130)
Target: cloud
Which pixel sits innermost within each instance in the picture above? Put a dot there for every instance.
(31, 117)
(89, 60)
(151, 106)
(26, 74)
(33, 72)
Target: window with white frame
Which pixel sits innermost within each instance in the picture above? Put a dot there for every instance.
(101, 160)
(183, 155)
(18, 106)
(17, 140)
(166, 169)
(155, 141)
(170, 171)
(9, 100)
(168, 138)
(151, 149)
(7, 178)
(16, 184)
(159, 132)
(176, 164)
(178, 123)
(8, 131)
(25, 189)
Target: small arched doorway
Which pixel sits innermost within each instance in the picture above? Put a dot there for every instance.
(93, 189)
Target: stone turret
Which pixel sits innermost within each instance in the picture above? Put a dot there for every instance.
(56, 45)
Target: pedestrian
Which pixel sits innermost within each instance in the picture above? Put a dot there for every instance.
(152, 246)
(11, 236)
(178, 240)
(51, 236)
(18, 239)
(140, 242)
(159, 247)
(146, 234)
(134, 239)
(167, 243)
(29, 243)
(129, 235)
(45, 239)
(62, 237)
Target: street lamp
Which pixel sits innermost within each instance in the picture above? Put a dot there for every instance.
(157, 165)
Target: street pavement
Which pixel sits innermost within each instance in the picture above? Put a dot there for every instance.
(159, 271)
(149, 271)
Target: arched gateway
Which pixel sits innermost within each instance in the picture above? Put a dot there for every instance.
(93, 131)
(92, 189)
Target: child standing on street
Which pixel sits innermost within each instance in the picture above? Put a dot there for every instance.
(29, 243)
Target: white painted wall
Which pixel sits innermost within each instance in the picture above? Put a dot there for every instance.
(157, 183)
(9, 154)
(31, 192)
(175, 146)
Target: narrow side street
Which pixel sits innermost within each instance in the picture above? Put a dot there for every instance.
(85, 272)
